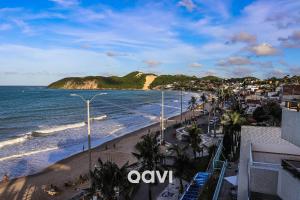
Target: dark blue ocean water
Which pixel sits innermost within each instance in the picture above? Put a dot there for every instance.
(40, 126)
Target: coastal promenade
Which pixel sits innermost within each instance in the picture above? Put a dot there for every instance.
(118, 150)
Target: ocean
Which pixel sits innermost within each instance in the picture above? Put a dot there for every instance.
(40, 126)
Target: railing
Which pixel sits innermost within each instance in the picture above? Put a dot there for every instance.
(293, 105)
(292, 166)
(263, 165)
(216, 157)
(220, 181)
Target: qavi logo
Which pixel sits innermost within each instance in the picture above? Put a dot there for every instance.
(149, 176)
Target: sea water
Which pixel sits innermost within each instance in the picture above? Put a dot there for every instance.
(40, 126)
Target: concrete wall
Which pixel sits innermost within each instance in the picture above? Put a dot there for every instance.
(288, 186)
(263, 180)
(291, 126)
(243, 170)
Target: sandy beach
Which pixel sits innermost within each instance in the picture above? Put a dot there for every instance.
(118, 150)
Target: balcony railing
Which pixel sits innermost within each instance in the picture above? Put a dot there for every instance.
(293, 166)
(263, 165)
(220, 180)
(293, 105)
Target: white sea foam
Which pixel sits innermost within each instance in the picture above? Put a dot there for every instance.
(13, 141)
(57, 128)
(99, 118)
(28, 153)
(152, 117)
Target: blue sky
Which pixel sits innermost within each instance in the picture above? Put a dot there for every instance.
(44, 40)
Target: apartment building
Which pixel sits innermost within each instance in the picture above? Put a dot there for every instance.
(269, 166)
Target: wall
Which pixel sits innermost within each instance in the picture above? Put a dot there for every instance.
(264, 181)
(288, 186)
(291, 126)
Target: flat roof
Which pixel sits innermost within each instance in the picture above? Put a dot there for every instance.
(268, 139)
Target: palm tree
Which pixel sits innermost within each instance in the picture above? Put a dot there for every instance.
(149, 156)
(231, 122)
(204, 100)
(109, 179)
(193, 104)
(180, 164)
(195, 139)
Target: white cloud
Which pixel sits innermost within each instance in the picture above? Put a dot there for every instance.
(188, 4)
(275, 73)
(295, 70)
(115, 54)
(241, 71)
(152, 63)
(292, 41)
(235, 60)
(55, 60)
(263, 49)
(196, 65)
(66, 3)
(243, 37)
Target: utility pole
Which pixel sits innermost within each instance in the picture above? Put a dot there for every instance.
(162, 118)
(89, 133)
(181, 106)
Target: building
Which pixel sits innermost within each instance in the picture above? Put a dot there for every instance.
(290, 92)
(269, 166)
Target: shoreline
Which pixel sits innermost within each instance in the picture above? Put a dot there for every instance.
(117, 150)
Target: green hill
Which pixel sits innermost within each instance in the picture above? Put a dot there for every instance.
(134, 80)
(171, 79)
(211, 78)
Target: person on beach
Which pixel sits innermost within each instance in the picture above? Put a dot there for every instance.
(5, 178)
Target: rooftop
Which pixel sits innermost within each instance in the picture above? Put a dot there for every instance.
(268, 139)
(291, 90)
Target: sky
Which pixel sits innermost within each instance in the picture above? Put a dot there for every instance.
(42, 41)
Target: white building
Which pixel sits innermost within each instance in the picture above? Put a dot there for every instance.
(269, 165)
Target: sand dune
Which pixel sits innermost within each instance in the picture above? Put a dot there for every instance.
(149, 80)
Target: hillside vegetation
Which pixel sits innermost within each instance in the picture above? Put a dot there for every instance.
(134, 80)
(171, 79)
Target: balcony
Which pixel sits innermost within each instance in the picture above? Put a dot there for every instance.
(293, 166)
(295, 105)
(289, 180)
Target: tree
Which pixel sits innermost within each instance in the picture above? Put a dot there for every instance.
(204, 100)
(231, 122)
(149, 156)
(270, 112)
(180, 164)
(260, 114)
(195, 139)
(193, 104)
(274, 111)
(108, 178)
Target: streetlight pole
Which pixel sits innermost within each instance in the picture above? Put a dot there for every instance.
(181, 106)
(162, 117)
(88, 101)
(89, 134)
